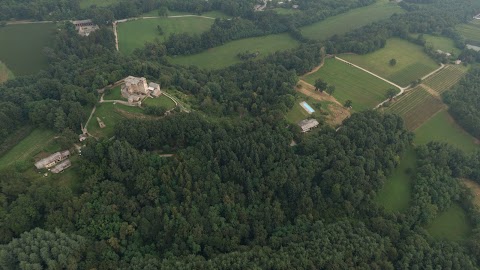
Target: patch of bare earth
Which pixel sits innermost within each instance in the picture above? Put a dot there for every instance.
(474, 188)
(431, 91)
(309, 90)
(337, 115)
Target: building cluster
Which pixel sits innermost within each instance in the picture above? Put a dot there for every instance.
(56, 163)
(307, 124)
(444, 53)
(85, 27)
(136, 89)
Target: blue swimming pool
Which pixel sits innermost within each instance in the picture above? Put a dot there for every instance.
(307, 107)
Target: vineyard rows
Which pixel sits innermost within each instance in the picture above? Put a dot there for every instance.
(445, 78)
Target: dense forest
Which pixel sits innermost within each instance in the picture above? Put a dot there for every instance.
(236, 193)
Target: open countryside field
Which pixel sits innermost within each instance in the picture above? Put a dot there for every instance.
(452, 225)
(443, 128)
(161, 101)
(98, 3)
(365, 90)
(445, 78)
(134, 34)
(213, 14)
(226, 55)
(470, 31)
(353, 19)
(114, 94)
(110, 114)
(396, 193)
(412, 62)
(442, 43)
(415, 107)
(21, 46)
(5, 73)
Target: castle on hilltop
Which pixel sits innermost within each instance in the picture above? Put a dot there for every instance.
(135, 89)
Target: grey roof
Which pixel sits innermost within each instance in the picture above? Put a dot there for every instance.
(62, 166)
(308, 124)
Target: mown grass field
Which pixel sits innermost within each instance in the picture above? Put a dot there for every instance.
(365, 90)
(226, 55)
(213, 14)
(452, 225)
(443, 128)
(470, 31)
(445, 78)
(21, 47)
(442, 43)
(114, 94)
(396, 192)
(416, 107)
(98, 3)
(39, 140)
(110, 114)
(134, 34)
(353, 19)
(5, 73)
(412, 62)
(161, 101)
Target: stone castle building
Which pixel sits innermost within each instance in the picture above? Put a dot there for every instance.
(135, 89)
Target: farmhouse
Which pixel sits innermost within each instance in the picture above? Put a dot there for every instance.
(62, 166)
(308, 124)
(52, 160)
(135, 89)
(85, 27)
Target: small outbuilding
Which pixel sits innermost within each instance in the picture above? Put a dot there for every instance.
(307, 124)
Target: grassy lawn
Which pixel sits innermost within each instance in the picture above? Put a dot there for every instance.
(114, 94)
(412, 62)
(5, 73)
(442, 43)
(39, 140)
(213, 14)
(134, 34)
(98, 3)
(350, 20)
(443, 128)
(365, 90)
(162, 101)
(286, 11)
(470, 31)
(452, 225)
(110, 114)
(21, 47)
(396, 193)
(226, 55)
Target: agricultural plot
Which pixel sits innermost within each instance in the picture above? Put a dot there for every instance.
(442, 43)
(5, 73)
(395, 195)
(21, 46)
(470, 31)
(98, 3)
(443, 128)
(353, 19)
(366, 91)
(134, 34)
(110, 114)
(213, 14)
(445, 78)
(226, 55)
(452, 225)
(416, 107)
(412, 62)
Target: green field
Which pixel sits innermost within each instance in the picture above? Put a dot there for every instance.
(445, 78)
(412, 62)
(110, 114)
(443, 128)
(226, 55)
(298, 113)
(5, 73)
(98, 3)
(286, 11)
(114, 94)
(470, 31)
(37, 141)
(21, 46)
(452, 225)
(396, 193)
(161, 101)
(213, 14)
(134, 34)
(353, 19)
(442, 43)
(365, 90)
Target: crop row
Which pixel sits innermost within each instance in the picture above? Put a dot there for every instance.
(445, 79)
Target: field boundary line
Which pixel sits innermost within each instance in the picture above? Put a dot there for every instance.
(426, 120)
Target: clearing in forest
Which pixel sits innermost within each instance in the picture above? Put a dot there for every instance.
(442, 43)
(350, 20)
(98, 3)
(445, 78)
(412, 62)
(161, 101)
(5, 73)
(110, 114)
(415, 107)
(21, 46)
(470, 31)
(452, 224)
(134, 34)
(443, 128)
(226, 55)
(365, 90)
(395, 194)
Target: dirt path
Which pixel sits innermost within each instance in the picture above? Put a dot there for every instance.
(309, 90)
(431, 91)
(315, 69)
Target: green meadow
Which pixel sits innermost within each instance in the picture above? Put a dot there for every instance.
(452, 225)
(442, 43)
(134, 34)
(21, 46)
(443, 128)
(114, 94)
(366, 91)
(412, 62)
(98, 3)
(161, 101)
(226, 55)
(470, 31)
(395, 195)
(213, 14)
(5, 73)
(110, 114)
(353, 19)
(297, 113)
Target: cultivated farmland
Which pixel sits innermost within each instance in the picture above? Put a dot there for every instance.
(134, 34)
(442, 43)
(445, 78)
(470, 31)
(416, 107)
(412, 62)
(226, 55)
(21, 46)
(365, 90)
(353, 19)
